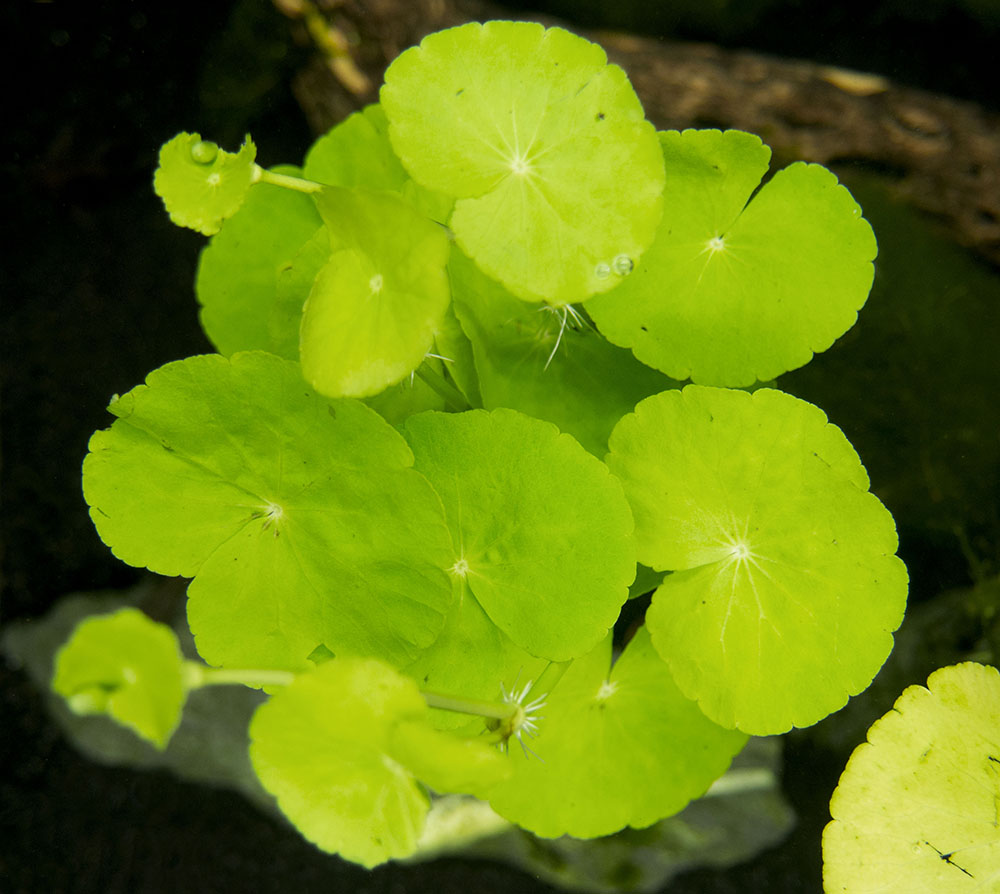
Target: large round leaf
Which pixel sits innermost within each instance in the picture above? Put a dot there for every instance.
(915, 811)
(617, 746)
(556, 171)
(727, 294)
(300, 519)
(786, 589)
(542, 531)
(377, 304)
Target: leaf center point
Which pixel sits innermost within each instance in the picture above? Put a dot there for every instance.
(608, 688)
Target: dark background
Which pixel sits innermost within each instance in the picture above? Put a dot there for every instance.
(96, 286)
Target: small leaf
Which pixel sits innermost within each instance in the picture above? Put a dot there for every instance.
(127, 666)
(915, 811)
(379, 300)
(202, 185)
(342, 748)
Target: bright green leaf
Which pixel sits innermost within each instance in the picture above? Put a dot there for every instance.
(200, 184)
(786, 589)
(542, 532)
(125, 665)
(728, 295)
(299, 518)
(240, 271)
(916, 808)
(378, 302)
(616, 746)
(556, 171)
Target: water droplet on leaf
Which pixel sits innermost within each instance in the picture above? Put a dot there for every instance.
(602, 271)
(622, 265)
(204, 152)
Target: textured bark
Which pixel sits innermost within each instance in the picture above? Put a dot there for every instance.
(944, 153)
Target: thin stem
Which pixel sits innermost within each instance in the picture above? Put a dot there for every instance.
(548, 679)
(454, 398)
(198, 675)
(262, 175)
(496, 710)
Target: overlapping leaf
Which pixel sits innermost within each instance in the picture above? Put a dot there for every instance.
(786, 589)
(300, 519)
(342, 747)
(618, 746)
(727, 294)
(545, 146)
(377, 303)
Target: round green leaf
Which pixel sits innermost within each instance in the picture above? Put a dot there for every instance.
(376, 305)
(546, 147)
(300, 519)
(128, 667)
(543, 363)
(916, 808)
(200, 184)
(615, 747)
(542, 532)
(727, 294)
(242, 306)
(785, 590)
(322, 747)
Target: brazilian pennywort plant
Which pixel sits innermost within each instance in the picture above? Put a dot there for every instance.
(446, 437)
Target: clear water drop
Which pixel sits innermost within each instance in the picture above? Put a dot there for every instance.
(622, 265)
(602, 271)
(204, 152)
